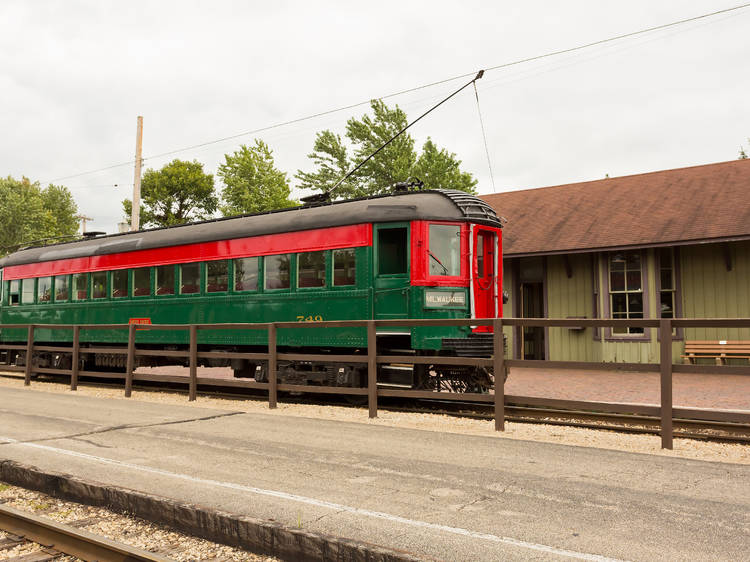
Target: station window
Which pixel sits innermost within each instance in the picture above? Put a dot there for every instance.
(344, 267)
(246, 274)
(190, 278)
(666, 283)
(444, 253)
(99, 285)
(44, 289)
(142, 282)
(217, 276)
(62, 292)
(14, 292)
(392, 251)
(626, 289)
(165, 280)
(80, 286)
(311, 270)
(119, 283)
(277, 271)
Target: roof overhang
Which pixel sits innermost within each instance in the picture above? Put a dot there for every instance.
(696, 242)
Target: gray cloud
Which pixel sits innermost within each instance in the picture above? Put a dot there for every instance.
(74, 75)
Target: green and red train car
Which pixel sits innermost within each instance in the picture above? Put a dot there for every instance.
(414, 254)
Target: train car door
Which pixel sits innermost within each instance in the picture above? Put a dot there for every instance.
(485, 275)
(391, 270)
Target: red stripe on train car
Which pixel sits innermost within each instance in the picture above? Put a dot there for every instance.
(303, 241)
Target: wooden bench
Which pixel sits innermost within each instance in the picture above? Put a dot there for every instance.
(720, 350)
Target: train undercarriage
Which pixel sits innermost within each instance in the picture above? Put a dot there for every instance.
(432, 376)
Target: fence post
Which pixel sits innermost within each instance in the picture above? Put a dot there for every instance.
(665, 360)
(272, 367)
(498, 368)
(131, 361)
(29, 354)
(75, 361)
(193, 362)
(372, 368)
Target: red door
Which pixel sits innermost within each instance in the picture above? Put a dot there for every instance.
(485, 275)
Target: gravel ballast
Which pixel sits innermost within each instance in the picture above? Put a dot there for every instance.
(129, 530)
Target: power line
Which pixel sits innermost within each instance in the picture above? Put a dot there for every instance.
(416, 88)
(484, 136)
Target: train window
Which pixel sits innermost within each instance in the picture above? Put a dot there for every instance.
(119, 283)
(246, 274)
(61, 288)
(99, 285)
(165, 280)
(277, 269)
(445, 249)
(344, 267)
(142, 282)
(190, 278)
(392, 251)
(27, 291)
(217, 276)
(14, 292)
(311, 270)
(80, 286)
(44, 289)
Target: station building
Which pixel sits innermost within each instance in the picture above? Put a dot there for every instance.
(674, 243)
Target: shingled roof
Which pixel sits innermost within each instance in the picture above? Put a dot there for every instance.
(709, 203)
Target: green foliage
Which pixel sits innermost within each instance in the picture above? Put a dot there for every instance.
(29, 213)
(743, 154)
(438, 168)
(60, 210)
(252, 184)
(178, 193)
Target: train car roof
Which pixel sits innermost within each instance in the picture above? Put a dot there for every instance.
(405, 206)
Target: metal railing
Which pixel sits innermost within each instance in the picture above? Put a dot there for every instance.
(497, 362)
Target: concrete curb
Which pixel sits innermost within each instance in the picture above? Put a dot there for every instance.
(265, 537)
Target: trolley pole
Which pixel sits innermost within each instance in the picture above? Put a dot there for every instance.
(135, 214)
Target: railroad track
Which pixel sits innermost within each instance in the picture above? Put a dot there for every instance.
(57, 539)
(625, 423)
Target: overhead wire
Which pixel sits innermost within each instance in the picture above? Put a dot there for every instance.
(416, 88)
(484, 136)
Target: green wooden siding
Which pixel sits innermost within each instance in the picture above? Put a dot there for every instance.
(710, 291)
(509, 287)
(570, 297)
(706, 290)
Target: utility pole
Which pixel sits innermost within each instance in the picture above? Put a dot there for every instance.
(83, 219)
(135, 216)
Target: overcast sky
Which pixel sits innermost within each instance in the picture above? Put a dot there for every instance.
(75, 75)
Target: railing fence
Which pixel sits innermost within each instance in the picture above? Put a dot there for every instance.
(497, 362)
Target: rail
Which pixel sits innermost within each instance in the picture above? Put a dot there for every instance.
(72, 541)
(665, 411)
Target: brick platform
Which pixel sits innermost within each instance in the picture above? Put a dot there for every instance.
(726, 392)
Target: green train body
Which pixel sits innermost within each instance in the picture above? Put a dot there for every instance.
(425, 254)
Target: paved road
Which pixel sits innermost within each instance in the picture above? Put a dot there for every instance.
(444, 496)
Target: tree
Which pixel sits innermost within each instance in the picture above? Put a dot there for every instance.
(397, 162)
(31, 214)
(178, 193)
(743, 154)
(252, 184)
(441, 169)
(60, 211)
